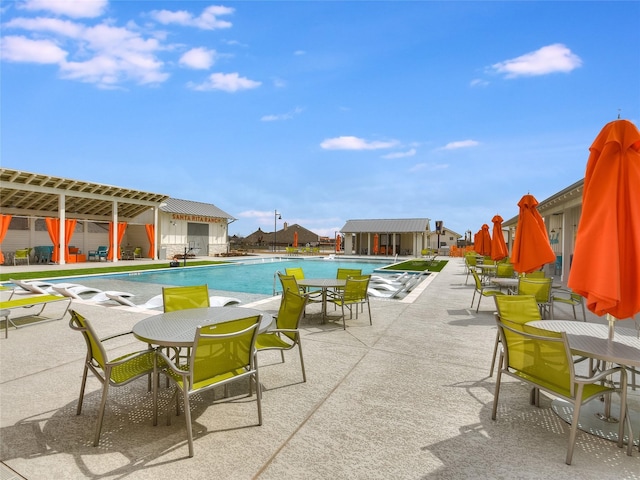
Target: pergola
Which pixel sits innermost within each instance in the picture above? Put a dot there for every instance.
(44, 196)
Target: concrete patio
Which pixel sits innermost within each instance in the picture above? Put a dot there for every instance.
(406, 398)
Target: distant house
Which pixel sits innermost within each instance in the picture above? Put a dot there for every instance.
(282, 238)
(448, 238)
(407, 236)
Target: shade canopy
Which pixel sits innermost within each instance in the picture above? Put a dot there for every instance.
(531, 247)
(498, 245)
(606, 259)
(295, 239)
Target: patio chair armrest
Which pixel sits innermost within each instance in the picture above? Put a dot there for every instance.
(601, 375)
(116, 335)
(163, 361)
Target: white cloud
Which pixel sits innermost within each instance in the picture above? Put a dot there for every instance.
(460, 144)
(103, 54)
(208, 19)
(198, 58)
(428, 166)
(21, 49)
(299, 52)
(228, 82)
(70, 8)
(354, 143)
(549, 59)
(477, 82)
(282, 116)
(66, 28)
(408, 153)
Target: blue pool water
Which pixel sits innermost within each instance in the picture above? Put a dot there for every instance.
(248, 277)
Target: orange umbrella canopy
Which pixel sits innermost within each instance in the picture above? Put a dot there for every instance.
(498, 245)
(606, 260)
(295, 239)
(531, 247)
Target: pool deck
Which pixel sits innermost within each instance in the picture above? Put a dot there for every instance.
(407, 398)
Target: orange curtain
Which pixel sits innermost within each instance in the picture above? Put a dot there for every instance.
(69, 230)
(151, 236)
(53, 227)
(5, 220)
(375, 244)
(122, 227)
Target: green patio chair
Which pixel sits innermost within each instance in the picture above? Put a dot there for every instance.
(353, 295)
(514, 310)
(183, 298)
(116, 373)
(543, 360)
(482, 290)
(22, 255)
(222, 353)
(568, 297)
(541, 289)
(286, 335)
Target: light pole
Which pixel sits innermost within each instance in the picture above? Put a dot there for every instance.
(276, 217)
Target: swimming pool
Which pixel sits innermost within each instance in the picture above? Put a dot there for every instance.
(254, 276)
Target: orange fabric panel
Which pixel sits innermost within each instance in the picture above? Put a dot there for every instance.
(375, 244)
(531, 248)
(122, 227)
(295, 239)
(5, 220)
(69, 227)
(606, 261)
(151, 233)
(53, 227)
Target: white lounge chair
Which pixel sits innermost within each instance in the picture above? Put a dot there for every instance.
(152, 303)
(217, 301)
(157, 301)
(99, 297)
(34, 287)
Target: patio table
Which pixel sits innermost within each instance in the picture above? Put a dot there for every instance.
(178, 328)
(591, 340)
(324, 284)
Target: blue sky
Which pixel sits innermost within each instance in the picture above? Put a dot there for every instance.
(326, 111)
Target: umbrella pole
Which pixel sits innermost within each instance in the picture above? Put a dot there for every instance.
(612, 320)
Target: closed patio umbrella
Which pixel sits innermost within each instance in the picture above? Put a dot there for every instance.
(531, 247)
(337, 243)
(486, 240)
(375, 244)
(295, 239)
(606, 260)
(498, 245)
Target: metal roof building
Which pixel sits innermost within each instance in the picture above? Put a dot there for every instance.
(386, 236)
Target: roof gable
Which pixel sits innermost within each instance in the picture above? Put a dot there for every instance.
(188, 207)
(407, 225)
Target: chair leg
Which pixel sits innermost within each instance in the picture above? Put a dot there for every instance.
(258, 396)
(82, 386)
(497, 389)
(495, 353)
(574, 426)
(187, 418)
(479, 300)
(304, 374)
(103, 403)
